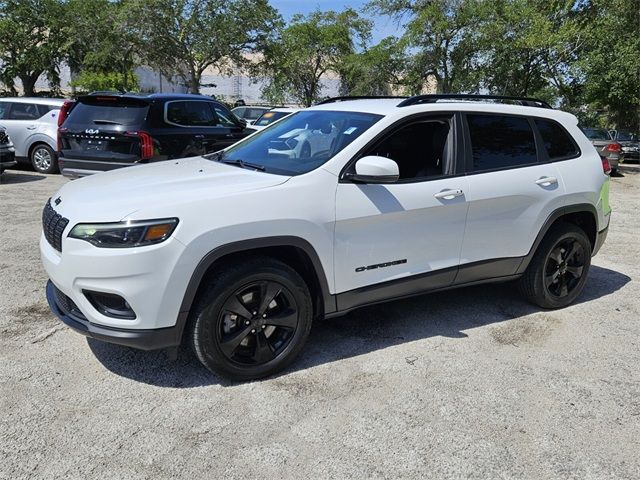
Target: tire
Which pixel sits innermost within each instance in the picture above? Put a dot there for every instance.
(43, 159)
(233, 329)
(559, 268)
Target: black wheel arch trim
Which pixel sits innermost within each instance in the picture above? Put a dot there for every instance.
(328, 300)
(551, 219)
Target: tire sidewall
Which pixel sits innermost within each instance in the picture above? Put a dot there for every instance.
(208, 318)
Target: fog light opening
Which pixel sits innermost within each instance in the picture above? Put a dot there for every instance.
(110, 304)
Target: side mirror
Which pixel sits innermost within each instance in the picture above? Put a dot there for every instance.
(374, 169)
(242, 123)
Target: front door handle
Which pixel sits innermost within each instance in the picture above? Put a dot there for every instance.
(547, 181)
(32, 127)
(449, 194)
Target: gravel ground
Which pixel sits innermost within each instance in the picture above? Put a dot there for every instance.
(474, 383)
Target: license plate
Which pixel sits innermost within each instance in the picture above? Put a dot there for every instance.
(94, 145)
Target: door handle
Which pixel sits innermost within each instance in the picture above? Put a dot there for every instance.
(199, 137)
(31, 127)
(449, 194)
(547, 181)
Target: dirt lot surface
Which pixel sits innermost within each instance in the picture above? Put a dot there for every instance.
(473, 383)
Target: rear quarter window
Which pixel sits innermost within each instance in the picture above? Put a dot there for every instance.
(557, 141)
(501, 141)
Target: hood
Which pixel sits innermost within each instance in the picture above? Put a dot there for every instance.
(112, 196)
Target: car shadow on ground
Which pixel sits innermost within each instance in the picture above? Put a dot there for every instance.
(12, 178)
(445, 314)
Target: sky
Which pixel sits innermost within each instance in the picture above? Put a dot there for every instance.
(383, 26)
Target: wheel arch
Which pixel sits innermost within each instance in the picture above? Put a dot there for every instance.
(583, 215)
(296, 252)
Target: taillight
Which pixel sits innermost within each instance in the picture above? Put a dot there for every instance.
(606, 166)
(64, 111)
(60, 130)
(614, 148)
(146, 144)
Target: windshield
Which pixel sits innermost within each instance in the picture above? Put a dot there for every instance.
(596, 134)
(301, 142)
(627, 136)
(268, 118)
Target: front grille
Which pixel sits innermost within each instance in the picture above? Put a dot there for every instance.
(4, 138)
(67, 305)
(53, 226)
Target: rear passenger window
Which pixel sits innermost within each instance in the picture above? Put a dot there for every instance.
(191, 114)
(557, 141)
(23, 111)
(499, 141)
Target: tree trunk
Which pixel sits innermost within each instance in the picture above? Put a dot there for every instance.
(194, 82)
(29, 83)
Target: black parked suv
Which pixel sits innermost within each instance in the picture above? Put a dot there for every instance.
(107, 131)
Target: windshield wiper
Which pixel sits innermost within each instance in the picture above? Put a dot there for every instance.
(242, 164)
(107, 122)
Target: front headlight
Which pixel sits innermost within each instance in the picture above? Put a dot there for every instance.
(125, 234)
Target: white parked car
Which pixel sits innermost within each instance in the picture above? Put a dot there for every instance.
(32, 124)
(237, 252)
(271, 116)
(249, 113)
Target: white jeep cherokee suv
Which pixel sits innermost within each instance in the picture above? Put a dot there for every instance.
(237, 252)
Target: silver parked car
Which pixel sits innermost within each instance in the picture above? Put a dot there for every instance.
(606, 146)
(32, 124)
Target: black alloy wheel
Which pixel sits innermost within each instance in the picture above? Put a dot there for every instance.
(257, 322)
(558, 270)
(564, 268)
(252, 319)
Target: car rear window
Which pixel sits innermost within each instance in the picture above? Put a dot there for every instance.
(108, 111)
(268, 118)
(500, 141)
(557, 142)
(596, 134)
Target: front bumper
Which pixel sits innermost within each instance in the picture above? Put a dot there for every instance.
(141, 339)
(7, 158)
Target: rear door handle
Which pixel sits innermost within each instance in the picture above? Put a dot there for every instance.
(32, 127)
(199, 137)
(547, 181)
(449, 194)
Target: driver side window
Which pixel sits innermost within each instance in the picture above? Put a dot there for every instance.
(420, 149)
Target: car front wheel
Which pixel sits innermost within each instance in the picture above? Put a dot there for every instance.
(252, 320)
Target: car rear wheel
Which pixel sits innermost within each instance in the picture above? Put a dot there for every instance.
(43, 159)
(558, 271)
(252, 320)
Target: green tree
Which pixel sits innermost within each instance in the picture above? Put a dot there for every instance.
(309, 48)
(30, 42)
(185, 37)
(374, 71)
(100, 44)
(610, 60)
(441, 41)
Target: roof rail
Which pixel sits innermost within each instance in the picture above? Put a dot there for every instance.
(433, 98)
(363, 97)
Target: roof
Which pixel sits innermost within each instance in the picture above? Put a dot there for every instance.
(36, 100)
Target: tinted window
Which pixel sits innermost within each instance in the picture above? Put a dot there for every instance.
(225, 117)
(300, 142)
(499, 142)
(44, 109)
(625, 136)
(419, 149)
(23, 111)
(4, 109)
(191, 114)
(557, 141)
(108, 112)
(596, 134)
